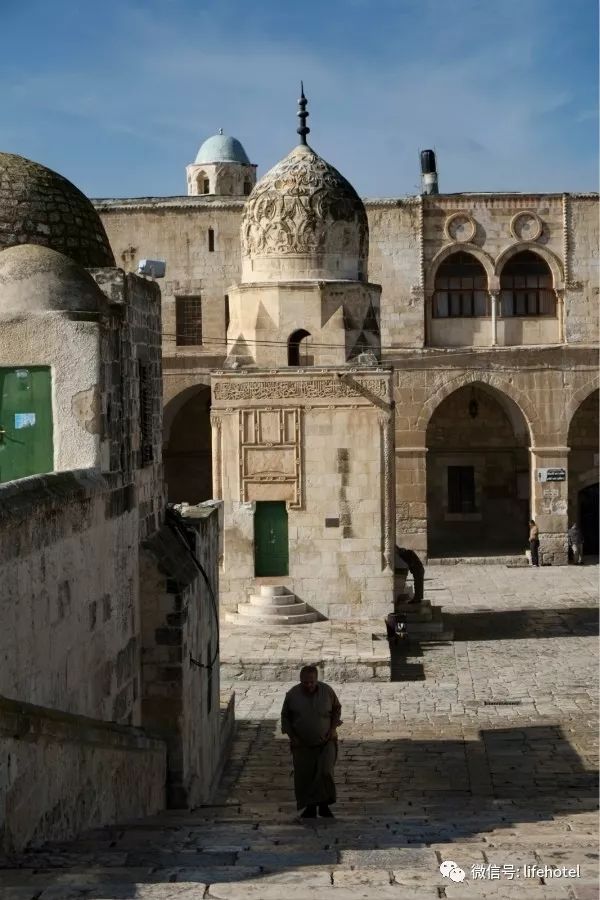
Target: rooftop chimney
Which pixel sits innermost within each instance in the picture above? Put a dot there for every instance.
(429, 178)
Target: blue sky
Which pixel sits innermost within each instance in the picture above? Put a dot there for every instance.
(118, 95)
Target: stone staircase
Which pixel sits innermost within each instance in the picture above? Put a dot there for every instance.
(512, 561)
(424, 622)
(274, 605)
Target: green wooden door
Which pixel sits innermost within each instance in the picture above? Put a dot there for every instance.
(25, 422)
(271, 556)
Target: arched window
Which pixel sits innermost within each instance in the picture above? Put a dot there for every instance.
(247, 187)
(460, 288)
(202, 183)
(526, 287)
(296, 355)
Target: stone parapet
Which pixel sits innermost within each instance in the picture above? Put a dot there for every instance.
(69, 772)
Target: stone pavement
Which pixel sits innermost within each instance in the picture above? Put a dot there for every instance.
(483, 752)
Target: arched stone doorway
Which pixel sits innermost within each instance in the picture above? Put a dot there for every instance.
(478, 481)
(188, 455)
(583, 472)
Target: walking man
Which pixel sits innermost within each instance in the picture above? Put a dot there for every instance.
(310, 717)
(576, 544)
(534, 543)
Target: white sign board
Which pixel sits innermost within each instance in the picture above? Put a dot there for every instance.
(552, 474)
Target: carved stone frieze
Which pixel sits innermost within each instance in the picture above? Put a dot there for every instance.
(304, 206)
(328, 387)
(270, 455)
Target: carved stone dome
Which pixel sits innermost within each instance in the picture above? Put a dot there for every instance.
(304, 221)
(39, 206)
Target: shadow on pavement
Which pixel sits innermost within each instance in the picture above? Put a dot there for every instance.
(497, 625)
(395, 797)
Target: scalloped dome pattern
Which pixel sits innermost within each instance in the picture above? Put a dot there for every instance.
(304, 211)
(39, 206)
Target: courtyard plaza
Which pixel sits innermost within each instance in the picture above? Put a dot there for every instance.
(481, 750)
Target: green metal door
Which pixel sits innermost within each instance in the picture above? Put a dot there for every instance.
(271, 556)
(25, 422)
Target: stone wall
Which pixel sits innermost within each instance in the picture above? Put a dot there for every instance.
(69, 622)
(176, 230)
(61, 774)
(582, 276)
(180, 657)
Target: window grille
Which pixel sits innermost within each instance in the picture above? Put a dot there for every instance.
(526, 287)
(188, 321)
(460, 288)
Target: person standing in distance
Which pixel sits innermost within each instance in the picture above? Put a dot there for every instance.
(310, 716)
(534, 543)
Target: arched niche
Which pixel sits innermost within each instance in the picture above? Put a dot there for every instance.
(478, 474)
(187, 456)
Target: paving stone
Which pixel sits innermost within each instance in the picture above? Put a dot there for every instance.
(445, 767)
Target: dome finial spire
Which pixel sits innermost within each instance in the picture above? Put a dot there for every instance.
(303, 130)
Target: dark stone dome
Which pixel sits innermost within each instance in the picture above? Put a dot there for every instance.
(39, 206)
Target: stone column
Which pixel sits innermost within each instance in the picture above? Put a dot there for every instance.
(549, 504)
(217, 456)
(386, 428)
(411, 499)
(494, 311)
(560, 314)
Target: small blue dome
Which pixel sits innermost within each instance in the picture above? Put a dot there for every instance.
(220, 148)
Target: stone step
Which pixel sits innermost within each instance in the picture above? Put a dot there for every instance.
(277, 601)
(288, 609)
(273, 590)
(512, 561)
(270, 620)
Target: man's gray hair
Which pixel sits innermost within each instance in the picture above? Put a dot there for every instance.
(309, 670)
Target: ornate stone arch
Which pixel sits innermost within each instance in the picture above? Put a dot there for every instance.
(548, 256)
(480, 255)
(490, 379)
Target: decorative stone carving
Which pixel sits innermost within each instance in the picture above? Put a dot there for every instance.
(526, 226)
(314, 388)
(386, 429)
(460, 227)
(304, 207)
(271, 455)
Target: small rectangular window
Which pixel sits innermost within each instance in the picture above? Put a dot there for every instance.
(211, 240)
(461, 489)
(188, 321)
(227, 320)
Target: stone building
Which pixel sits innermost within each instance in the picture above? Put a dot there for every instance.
(102, 607)
(488, 315)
